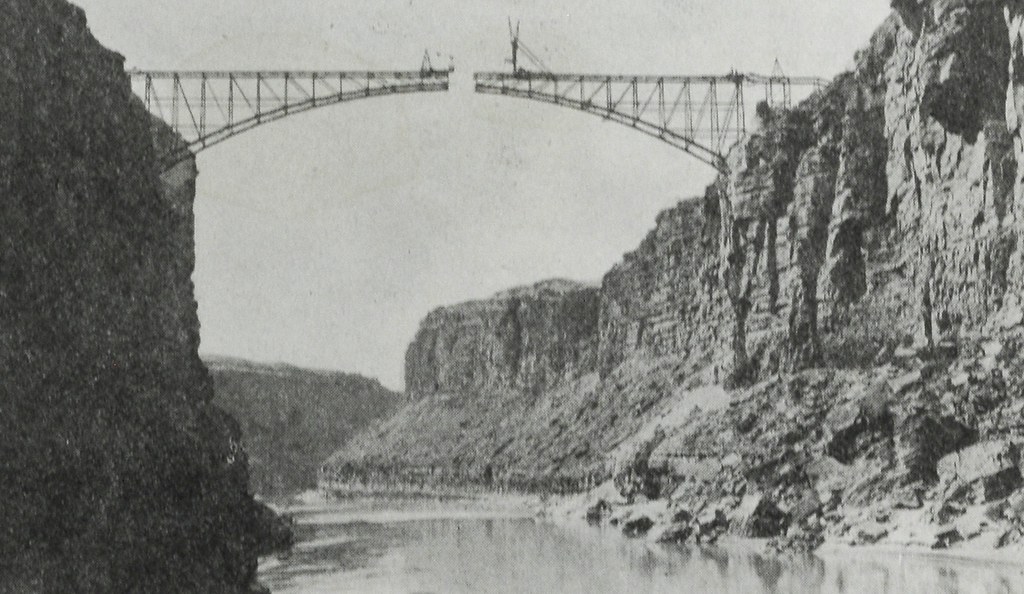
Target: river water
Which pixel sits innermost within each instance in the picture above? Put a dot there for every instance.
(416, 546)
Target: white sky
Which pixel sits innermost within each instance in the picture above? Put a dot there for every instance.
(323, 239)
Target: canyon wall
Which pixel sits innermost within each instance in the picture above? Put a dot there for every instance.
(664, 298)
(116, 471)
(867, 234)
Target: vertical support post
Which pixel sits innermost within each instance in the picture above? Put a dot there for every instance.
(174, 101)
(313, 84)
(741, 105)
(636, 101)
(259, 97)
(286, 77)
(558, 99)
(231, 100)
(149, 93)
(581, 92)
(202, 110)
(715, 125)
(368, 75)
(608, 93)
(661, 103)
(689, 109)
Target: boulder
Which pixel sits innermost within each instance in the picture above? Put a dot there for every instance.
(871, 533)
(682, 516)
(991, 466)
(905, 382)
(637, 526)
(946, 537)
(711, 523)
(759, 517)
(828, 476)
(922, 439)
(597, 512)
(676, 533)
(855, 424)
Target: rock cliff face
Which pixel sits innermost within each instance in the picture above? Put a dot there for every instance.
(116, 472)
(529, 337)
(665, 298)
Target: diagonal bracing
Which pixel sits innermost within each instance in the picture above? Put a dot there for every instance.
(207, 107)
(701, 115)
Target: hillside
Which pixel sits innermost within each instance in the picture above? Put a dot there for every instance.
(292, 419)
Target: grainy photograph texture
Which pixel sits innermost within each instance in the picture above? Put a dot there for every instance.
(398, 296)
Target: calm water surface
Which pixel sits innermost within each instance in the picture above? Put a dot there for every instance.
(413, 547)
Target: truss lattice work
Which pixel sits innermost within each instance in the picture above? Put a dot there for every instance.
(702, 115)
(208, 107)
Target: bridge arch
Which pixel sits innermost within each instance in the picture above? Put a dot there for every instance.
(206, 108)
(703, 116)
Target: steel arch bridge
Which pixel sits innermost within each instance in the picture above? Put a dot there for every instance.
(701, 115)
(208, 107)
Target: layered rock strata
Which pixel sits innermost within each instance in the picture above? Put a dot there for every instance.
(530, 337)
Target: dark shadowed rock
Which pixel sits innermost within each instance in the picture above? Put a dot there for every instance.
(597, 513)
(638, 526)
(115, 468)
(759, 517)
(922, 439)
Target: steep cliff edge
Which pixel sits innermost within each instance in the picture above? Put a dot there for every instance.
(529, 337)
(116, 471)
(826, 344)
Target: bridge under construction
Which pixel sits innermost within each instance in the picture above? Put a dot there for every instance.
(702, 115)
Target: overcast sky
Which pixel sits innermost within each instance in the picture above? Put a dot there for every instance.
(323, 239)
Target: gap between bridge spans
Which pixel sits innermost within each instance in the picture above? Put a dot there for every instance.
(703, 116)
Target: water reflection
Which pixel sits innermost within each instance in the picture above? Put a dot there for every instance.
(430, 551)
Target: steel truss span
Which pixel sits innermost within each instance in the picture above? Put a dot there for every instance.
(208, 107)
(701, 115)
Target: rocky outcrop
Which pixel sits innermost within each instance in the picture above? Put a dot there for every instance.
(664, 298)
(116, 472)
(993, 466)
(950, 168)
(530, 338)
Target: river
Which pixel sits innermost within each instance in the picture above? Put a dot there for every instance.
(411, 546)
